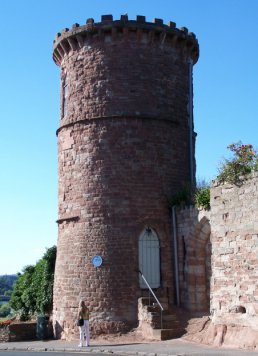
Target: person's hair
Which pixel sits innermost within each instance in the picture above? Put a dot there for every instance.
(82, 304)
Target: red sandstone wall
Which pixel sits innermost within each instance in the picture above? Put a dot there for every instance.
(125, 78)
(234, 287)
(194, 258)
(123, 151)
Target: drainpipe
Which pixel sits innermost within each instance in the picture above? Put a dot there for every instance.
(175, 254)
(190, 108)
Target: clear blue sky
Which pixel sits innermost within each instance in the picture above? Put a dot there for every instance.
(225, 100)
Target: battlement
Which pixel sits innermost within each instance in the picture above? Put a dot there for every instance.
(109, 30)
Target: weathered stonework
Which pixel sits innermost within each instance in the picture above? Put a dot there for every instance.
(194, 258)
(233, 318)
(18, 332)
(234, 229)
(125, 146)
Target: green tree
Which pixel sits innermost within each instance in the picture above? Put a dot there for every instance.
(5, 310)
(21, 299)
(33, 291)
(43, 280)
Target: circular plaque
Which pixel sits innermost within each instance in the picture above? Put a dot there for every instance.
(96, 261)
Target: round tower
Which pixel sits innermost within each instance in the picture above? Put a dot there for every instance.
(125, 147)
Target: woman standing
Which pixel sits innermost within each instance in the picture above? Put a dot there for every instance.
(84, 313)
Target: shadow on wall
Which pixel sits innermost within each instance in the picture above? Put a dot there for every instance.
(193, 231)
(58, 330)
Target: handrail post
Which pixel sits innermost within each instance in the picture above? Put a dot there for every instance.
(150, 290)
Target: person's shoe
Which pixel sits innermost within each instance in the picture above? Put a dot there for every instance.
(80, 344)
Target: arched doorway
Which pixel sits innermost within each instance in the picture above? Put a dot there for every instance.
(149, 258)
(197, 266)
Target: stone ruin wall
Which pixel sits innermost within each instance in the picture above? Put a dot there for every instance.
(227, 237)
(234, 235)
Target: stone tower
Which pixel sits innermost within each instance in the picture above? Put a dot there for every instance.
(125, 146)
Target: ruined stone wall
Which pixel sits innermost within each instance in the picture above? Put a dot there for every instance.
(234, 236)
(194, 256)
(124, 147)
(234, 283)
(18, 331)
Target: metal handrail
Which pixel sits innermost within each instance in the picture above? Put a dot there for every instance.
(150, 289)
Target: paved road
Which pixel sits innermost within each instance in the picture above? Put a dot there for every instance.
(37, 353)
(176, 347)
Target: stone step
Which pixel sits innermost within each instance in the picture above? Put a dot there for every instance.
(168, 321)
(170, 317)
(164, 305)
(152, 302)
(166, 317)
(166, 325)
(167, 334)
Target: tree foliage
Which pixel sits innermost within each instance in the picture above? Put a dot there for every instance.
(236, 169)
(199, 196)
(33, 290)
(5, 310)
(182, 197)
(202, 195)
(6, 284)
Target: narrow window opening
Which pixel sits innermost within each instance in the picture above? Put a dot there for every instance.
(65, 98)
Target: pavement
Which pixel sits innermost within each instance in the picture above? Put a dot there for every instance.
(175, 347)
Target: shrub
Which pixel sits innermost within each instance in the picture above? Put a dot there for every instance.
(199, 197)
(243, 162)
(202, 197)
(182, 198)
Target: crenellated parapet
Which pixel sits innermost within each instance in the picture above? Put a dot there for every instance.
(139, 30)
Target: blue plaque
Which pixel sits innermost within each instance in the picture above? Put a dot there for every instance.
(96, 261)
